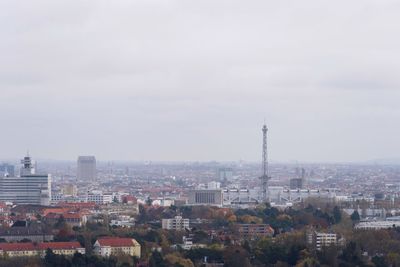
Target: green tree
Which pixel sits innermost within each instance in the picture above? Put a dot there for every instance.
(337, 214)
(78, 260)
(355, 217)
(236, 256)
(379, 261)
(351, 256)
(156, 259)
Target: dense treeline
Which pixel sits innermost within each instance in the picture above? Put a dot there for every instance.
(288, 247)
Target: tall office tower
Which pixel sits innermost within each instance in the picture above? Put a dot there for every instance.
(29, 188)
(7, 170)
(87, 168)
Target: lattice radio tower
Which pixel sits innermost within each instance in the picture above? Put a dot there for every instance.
(265, 175)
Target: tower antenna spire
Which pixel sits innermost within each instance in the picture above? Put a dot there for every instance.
(265, 172)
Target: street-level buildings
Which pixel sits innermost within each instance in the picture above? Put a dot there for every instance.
(377, 225)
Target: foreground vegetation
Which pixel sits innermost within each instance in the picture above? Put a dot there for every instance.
(288, 246)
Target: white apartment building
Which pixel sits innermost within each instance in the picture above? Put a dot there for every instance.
(376, 225)
(178, 223)
(320, 239)
(99, 198)
(107, 246)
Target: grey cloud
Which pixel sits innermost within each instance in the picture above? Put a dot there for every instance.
(193, 80)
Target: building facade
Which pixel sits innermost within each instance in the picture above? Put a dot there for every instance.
(29, 188)
(177, 223)
(320, 239)
(108, 246)
(86, 168)
(35, 233)
(255, 231)
(39, 249)
(209, 197)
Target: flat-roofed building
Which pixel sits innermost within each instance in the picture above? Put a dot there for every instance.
(70, 190)
(86, 168)
(177, 223)
(321, 239)
(296, 183)
(33, 232)
(377, 225)
(30, 188)
(211, 197)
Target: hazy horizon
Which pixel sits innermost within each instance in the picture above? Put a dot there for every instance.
(194, 81)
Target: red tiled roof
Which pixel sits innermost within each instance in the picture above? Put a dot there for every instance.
(54, 210)
(59, 245)
(40, 246)
(115, 242)
(77, 204)
(65, 215)
(129, 198)
(16, 246)
(72, 215)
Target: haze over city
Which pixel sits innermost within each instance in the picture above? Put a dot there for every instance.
(176, 133)
(179, 80)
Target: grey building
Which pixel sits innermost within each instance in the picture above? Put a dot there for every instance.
(35, 233)
(29, 188)
(211, 197)
(296, 183)
(86, 168)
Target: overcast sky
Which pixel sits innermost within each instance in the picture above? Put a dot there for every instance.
(194, 80)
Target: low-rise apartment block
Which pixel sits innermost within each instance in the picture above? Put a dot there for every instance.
(108, 246)
(177, 223)
(255, 231)
(320, 239)
(39, 249)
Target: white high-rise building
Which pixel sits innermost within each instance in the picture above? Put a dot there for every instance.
(87, 168)
(29, 188)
